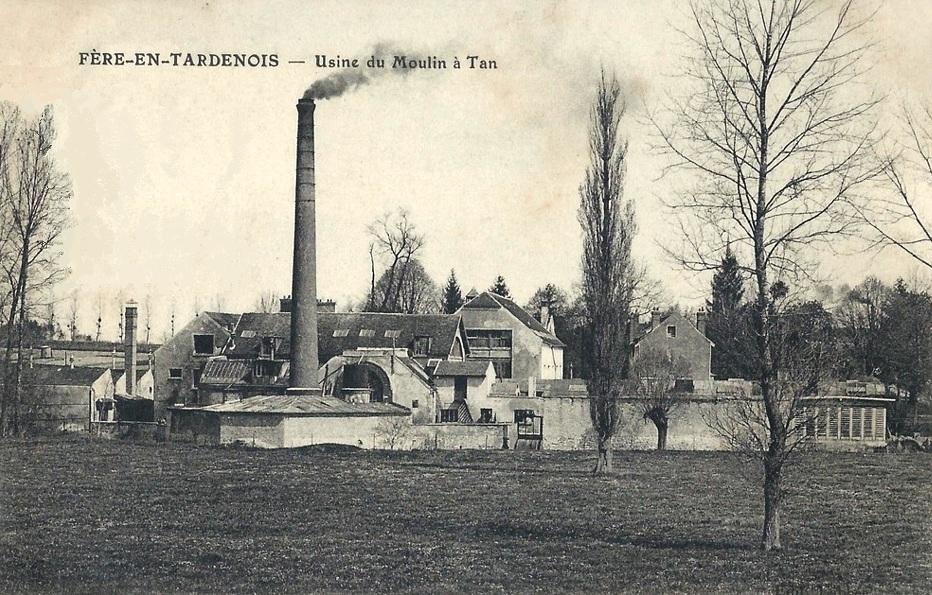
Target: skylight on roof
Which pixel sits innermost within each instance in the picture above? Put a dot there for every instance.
(366, 332)
(248, 334)
(341, 332)
(393, 334)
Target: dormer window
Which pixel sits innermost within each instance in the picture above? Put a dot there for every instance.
(421, 346)
(671, 331)
(267, 348)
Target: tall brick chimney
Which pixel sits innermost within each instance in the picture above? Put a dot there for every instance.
(129, 348)
(303, 370)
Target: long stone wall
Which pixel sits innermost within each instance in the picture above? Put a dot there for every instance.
(567, 425)
(458, 436)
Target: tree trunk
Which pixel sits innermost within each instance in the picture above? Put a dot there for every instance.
(661, 434)
(773, 496)
(603, 463)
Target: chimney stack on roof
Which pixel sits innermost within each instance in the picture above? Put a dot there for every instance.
(702, 318)
(654, 317)
(545, 319)
(303, 365)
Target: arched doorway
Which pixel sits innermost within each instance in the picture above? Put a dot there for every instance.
(366, 382)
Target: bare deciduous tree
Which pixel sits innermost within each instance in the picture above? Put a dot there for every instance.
(775, 137)
(652, 379)
(393, 430)
(608, 271)
(902, 219)
(36, 196)
(73, 302)
(147, 315)
(267, 302)
(395, 239)
(100, 315)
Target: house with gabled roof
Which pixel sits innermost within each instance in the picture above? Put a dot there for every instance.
(519, 346)
(179, 362)
(673, 333)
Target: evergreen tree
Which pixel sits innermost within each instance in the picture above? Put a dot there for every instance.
(499, 287)
(551, 296)
(905, 348)
(452, 295)
(729, 321)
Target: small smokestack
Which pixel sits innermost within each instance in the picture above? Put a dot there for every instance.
(702, 318)
(129, 348)
(303, 368)
(284, 304)
(654, 317)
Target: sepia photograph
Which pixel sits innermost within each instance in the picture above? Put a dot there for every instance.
(446, 296)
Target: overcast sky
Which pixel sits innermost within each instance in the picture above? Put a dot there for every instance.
(184, 177)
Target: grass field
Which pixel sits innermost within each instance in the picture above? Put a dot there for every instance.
(90, 516)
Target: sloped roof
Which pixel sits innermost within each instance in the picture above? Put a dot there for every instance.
(557, 387)
(117, 373)
(644, 329)
(465, 368)
(224, 371)
(44, 375)
(307, 406)
(225, 319)
(103, 346)
(340, 331)
(490, 300)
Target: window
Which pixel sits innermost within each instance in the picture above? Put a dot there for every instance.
(502, 368)
(366, 332)
(392, 334)
(175, 373)
(415, 403)
(203, 344)
(195, 378)
(523, 415)
(486, 416)
(492, 345)
(421, 346)
(341, 332)
(267, 347)
(671, 331)
(449, 416)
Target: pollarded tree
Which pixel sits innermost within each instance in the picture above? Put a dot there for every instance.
(452, 295)
(609, 276)
(774, 140)
(652, 379)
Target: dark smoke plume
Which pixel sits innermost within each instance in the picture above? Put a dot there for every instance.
(348, 79)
